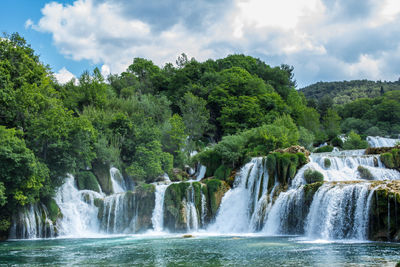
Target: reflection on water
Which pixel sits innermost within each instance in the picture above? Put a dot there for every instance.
(197, 251)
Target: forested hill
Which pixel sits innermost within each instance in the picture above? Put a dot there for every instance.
(347, 91)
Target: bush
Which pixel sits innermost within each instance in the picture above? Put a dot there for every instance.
(354, 141)
(365, 173)
(337, 142)
(327, 163)
(323, 149)
(387, 159)
(313, 176)
(87, 181)
(222, 172)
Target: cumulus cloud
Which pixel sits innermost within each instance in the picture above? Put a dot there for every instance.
(63, 76)
(322, 39)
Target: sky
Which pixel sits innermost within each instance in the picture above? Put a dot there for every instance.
(325, 40)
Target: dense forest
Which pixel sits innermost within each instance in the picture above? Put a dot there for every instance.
(348, 91)
(148, 120)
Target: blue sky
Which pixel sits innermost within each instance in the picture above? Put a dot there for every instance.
(325, 40)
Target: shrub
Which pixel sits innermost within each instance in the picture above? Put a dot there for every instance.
(87, 181)
(365, 173)
(323, 149)
(354, 141)
(387, 159)
(222, 172)
(337, 142)
(313, 176)
(327, 163)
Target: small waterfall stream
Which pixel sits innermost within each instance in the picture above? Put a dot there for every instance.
(158, 212)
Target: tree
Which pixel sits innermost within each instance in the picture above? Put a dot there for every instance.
(195, 115)
(331, 123)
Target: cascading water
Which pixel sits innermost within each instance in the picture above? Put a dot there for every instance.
(340, 211)
(239, 203)
(201, 173)
(377, 141)
(345, 167)
(32, 222)
(78, 210)
(192, 221)
(117, 181)
(158, 212)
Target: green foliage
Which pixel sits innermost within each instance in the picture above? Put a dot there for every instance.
(222, 172)
(324, 149)
(391, 159)
(21, 172)
(283, 166)
(337, 142)
(365, 173)
(331, 123)
(87, 181)
(354, 141)
(306, 138)
(327, 163)
(3, 197)
(312, 176)
(195, 115)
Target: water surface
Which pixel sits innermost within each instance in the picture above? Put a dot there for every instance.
(198, 251)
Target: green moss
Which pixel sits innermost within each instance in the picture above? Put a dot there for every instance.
(313, 176)
(327, 163)
(144, 188)
(365, 173)
(216, 190)
(53, 209)
(324, 149)
(310, 189)
(302, 159)
(271, 166)
(387, 159)
(4, 225)
(102, 172)
(222, 172)
(87, 181)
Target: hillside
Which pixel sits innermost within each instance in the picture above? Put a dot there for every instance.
(347, 91)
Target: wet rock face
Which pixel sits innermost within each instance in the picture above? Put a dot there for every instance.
(102, 172)
(192, 204)
(379, 150)
(294, 150)
(385, 213)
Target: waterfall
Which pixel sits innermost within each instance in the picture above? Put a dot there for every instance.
(78, 210)
(117, 181)
(285, 216)
(203, 209)
(201, 173)
(118, 214)
(158, 213)
(345, 167)
(377, 141)
(192, 221)
(32, 222)
(239, 203)
(339, 211)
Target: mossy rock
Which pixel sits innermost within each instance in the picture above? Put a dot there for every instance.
(215, 191)
(87, 181)
(222, 172)
(179, 175)
(387, 160)
(324, 149)
(365, 173)
(309, 192)
(312, 176)
(53, 210)
(327, 163)
(174, 209)
(102, 172)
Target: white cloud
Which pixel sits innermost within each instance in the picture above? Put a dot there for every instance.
(63, 76)
(28, 23)
(319, 38)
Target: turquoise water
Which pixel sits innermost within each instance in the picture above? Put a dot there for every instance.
(197, 251)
